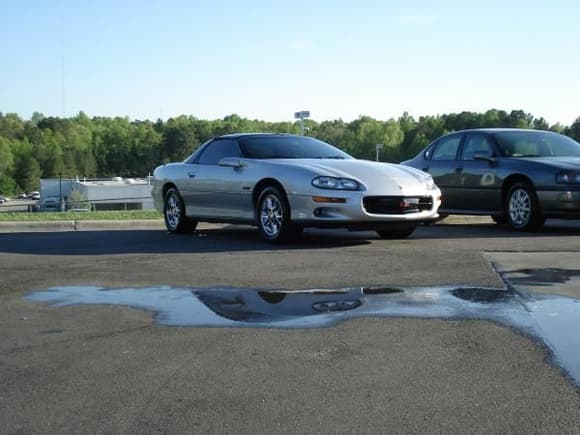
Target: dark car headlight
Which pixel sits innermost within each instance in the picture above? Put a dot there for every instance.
(568, 177)
(335, 183)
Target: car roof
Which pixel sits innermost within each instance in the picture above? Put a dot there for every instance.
(499, 130)
(239, 135)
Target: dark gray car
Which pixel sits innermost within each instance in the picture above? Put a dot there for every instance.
(517, 176)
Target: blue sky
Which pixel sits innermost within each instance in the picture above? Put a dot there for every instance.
(266, 59)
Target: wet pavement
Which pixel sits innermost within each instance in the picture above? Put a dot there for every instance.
(270, 365)
(551, 319)
(556, 273)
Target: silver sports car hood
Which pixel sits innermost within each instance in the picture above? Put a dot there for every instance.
(364, 171)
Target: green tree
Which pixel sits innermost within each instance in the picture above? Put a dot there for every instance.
(26, 170)
(179, 138)
(369, 132)
(7, 185)
(6, 157)
(574, 130)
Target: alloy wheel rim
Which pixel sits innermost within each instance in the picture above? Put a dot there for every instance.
(520, 207)
(271, 216)
(172, 211)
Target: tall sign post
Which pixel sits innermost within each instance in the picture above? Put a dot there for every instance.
(302, 115)
(378, 147)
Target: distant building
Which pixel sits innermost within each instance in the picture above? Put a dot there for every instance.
(96, 194)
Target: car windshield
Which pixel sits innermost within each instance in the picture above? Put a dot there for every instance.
(288, 147)
(536, 144)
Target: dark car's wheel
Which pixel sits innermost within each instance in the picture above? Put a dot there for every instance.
(174, 213)
(522, 209)
(396, 233)
(273, 214)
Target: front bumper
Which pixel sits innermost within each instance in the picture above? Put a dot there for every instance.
(559, 203)
(352, 213)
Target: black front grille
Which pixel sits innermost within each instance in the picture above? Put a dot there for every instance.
(397, 204)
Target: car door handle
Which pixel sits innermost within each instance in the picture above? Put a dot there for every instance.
(191, 174)
(458, 170)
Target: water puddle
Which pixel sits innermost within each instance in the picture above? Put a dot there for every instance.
(552, 319)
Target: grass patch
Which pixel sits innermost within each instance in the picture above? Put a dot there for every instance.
(79, 216)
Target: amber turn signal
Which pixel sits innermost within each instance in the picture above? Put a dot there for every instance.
(329, 199)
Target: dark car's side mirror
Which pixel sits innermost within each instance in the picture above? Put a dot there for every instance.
(484, 156)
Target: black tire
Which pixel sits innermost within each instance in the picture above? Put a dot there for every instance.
(273, 217)
(396, 233)
(176, 220)
(499, 219)
(522, 210)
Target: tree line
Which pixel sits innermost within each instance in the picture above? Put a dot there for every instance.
(80, 146)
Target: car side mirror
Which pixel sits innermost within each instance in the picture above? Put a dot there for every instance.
(232, 162)
(484, 156)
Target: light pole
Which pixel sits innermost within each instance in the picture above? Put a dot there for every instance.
(60, 202)
(302, 115)
(378, 147)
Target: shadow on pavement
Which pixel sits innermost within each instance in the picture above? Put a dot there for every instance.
(111, 242)
(240, 238)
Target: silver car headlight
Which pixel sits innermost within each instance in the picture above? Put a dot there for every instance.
(335, 183)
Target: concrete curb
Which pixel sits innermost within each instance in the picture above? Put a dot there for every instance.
(48, 226)
(466, 220)
(134, 224)
(80, 225)
(146, 224)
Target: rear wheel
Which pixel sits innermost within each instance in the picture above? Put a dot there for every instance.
(396, 233)
(522, 209)
(273, 214)
(174, 213)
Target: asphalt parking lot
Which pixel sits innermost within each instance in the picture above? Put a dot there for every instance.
(108, 367)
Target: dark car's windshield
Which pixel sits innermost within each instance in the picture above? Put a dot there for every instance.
(536, 144)
(288, 147)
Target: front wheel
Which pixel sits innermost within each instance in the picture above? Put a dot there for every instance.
(522, 209)
(176, 220)
(396, 233)
(273, 214)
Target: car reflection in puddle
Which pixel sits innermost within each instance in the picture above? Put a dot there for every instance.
(550, 318)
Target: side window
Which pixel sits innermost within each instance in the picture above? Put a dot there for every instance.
(476, 143)
(219, 149)
(192, 158)
(446, 148)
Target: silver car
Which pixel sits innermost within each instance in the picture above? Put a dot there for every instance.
(283, 183)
